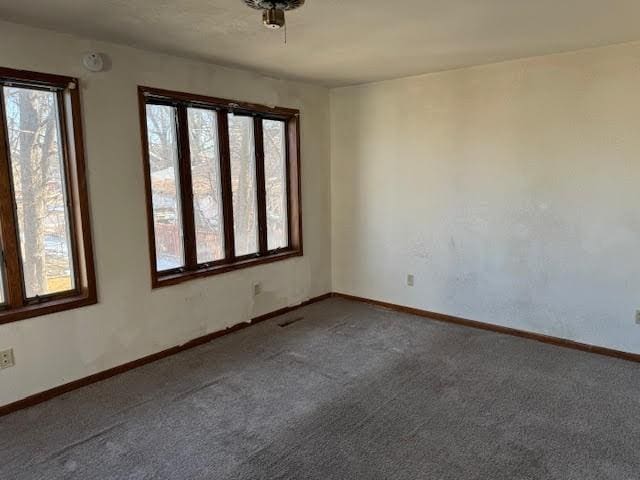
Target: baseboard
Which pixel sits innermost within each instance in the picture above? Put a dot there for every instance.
(538, 337)
(97, 377)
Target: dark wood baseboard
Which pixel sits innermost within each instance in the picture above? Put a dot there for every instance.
(538, 337)
(97, 377)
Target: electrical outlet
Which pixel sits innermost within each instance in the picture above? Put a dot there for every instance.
(6, 358)
(257, 289)
(638, 317)
(410, 280)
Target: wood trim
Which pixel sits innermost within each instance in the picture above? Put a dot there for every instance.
(186, 188)
(144, 138)
(225, 184)
(236, 105)
(56, 304)
(538, 337)
(181, 101)
(282, 311)
(28, 77)
(97, 377)
(260, 185)
(19, 307)
(294, 177)
(80, 195)
(222, 267)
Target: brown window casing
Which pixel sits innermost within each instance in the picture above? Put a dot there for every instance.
(17, 306)
(192, 269)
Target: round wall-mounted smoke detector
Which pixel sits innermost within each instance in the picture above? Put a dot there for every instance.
(93, 61)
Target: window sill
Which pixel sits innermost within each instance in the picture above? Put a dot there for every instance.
(47, 307)
(160, 280)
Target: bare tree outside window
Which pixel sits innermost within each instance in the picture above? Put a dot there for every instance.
(165, 174)
(223, 184)
(243, 184)
(275, 173)
(205, 179)
(46, 264)
(37, 170)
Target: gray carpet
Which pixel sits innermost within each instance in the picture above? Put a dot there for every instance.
(344, 391)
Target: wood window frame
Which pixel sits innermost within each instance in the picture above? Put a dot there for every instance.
(182, 101)
(17, 306)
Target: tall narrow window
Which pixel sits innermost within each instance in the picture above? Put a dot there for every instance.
(222, 184)
(243, 183)
(275, 173)
(207, 190)
(38, 182)
(165, 184)
(46, 243)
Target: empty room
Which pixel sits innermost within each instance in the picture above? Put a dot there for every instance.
(319, 239)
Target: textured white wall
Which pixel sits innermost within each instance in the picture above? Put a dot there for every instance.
(509, 190)
(131, 320)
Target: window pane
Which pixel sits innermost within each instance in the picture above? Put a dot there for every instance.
(38, 176)
(275, 174)
(163, 166)
(243, 184)
(205, 177)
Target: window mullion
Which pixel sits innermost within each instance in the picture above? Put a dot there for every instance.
(14, 286)
(225, 180)
(261, 187)
(244, 164)
(186, 189)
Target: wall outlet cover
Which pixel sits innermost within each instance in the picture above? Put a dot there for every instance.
(6, 358)
(410, 280)
(638, 317)
(257, 289)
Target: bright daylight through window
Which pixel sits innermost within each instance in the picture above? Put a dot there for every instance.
(46, 246)
(222, 184)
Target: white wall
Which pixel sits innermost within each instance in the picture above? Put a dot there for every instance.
(131, 320)
(511, 191)
(508, 190)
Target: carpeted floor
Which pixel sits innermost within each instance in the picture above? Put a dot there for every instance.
(344, 391)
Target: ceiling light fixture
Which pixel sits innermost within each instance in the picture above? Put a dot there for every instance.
(273, 10)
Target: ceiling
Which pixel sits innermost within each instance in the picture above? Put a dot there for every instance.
(342, 42)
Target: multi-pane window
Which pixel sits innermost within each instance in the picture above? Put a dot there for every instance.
(207, 187)
(165, 180)
(222, 184)
(242, 148)
(275, 173)
(46, 247)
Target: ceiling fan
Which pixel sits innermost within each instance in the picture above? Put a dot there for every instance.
(273, 10)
